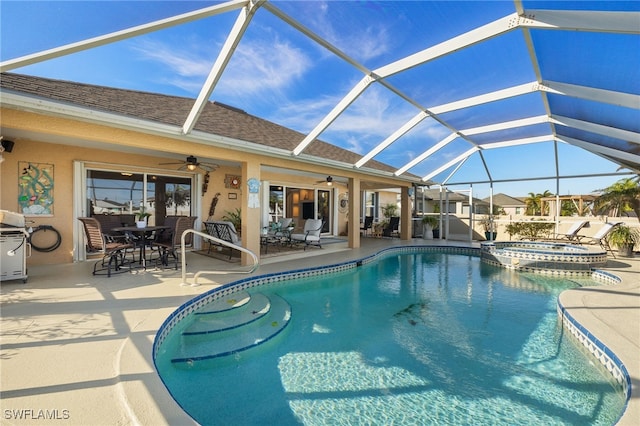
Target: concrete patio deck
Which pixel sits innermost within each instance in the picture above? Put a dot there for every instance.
(77, 348)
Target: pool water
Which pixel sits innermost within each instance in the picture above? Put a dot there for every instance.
(412, 339)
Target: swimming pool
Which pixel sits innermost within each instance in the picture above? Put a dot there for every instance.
(417, 338)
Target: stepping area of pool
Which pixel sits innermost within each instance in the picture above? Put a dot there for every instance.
(80, 347)
(218, 334)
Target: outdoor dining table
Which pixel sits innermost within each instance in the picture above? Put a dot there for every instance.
(144, 235)
(274, 238)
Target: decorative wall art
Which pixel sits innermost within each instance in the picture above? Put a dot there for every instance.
(35, 188)
(254, 191)
(232, 181)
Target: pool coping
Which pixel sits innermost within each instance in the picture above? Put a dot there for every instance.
(599, 350)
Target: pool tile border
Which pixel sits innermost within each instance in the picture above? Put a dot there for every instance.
(244, 284)
(601, 352)
(528, 256)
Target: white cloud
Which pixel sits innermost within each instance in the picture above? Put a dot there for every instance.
(264, 66)
(185, 62)
(257, 66)
(362, 44)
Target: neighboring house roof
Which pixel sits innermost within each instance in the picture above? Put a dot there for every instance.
(109, 204)
(434, 194)
(504, 200)
(216, 118)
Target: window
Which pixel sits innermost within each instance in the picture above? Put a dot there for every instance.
(370, 204)
(113, 192)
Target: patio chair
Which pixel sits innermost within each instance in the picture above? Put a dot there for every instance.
(367, 225)
(572, 233)
(169, 246)
(279, 228)
(310, 234)
(392, 228)
(171, 221)
(114, 253)
(600, 237)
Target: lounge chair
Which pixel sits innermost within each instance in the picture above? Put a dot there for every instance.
(600, 237)
(572, 233)
(310, 235)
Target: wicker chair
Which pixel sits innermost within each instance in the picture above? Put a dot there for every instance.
(169, 246)
(114, 253)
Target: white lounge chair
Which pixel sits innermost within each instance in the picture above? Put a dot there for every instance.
(572, 233)
(600, 237)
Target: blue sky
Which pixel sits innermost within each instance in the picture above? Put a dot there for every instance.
(278, 74)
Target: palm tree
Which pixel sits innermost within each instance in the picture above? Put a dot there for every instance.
(620, 198)
(533, 203)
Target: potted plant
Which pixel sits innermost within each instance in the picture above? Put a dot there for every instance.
(234, 217)
(429, 226)
(141, 217)
(625, 238)
(489, 226)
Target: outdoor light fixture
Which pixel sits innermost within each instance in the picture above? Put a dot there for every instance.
(329, 180)
(191, 166)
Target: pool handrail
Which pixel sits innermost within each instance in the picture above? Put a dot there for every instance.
(206, 236)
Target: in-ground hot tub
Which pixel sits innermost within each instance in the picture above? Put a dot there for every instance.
(544, 257)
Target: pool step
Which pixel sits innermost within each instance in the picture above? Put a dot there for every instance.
(226, 304)
(207, 346)
(257, 306)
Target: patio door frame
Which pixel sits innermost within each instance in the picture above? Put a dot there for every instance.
(80, 169)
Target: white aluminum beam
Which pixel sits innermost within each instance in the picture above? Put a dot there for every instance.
(613, 132)
(230, 44)
(426, 154)
(581, 20)
(505, 125)
(475, 36)
(335, 112)
(395, 136)
(509, 92)
(444, 167)
(121, 35)
(532, 179)
(601, 150)
(454, 171)
(470, 38)
(516, 142)
(626, 100)
(313, 36)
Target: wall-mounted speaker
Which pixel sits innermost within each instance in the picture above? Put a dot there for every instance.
(7, 145)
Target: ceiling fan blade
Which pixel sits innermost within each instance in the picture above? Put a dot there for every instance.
(169, 164)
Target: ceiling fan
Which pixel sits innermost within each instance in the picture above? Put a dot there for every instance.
(191, 163)
(328, 181)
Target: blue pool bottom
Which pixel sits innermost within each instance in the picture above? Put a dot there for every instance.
(369, 370)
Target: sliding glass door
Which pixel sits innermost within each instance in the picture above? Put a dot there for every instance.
(121, 192)
(301, 204)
